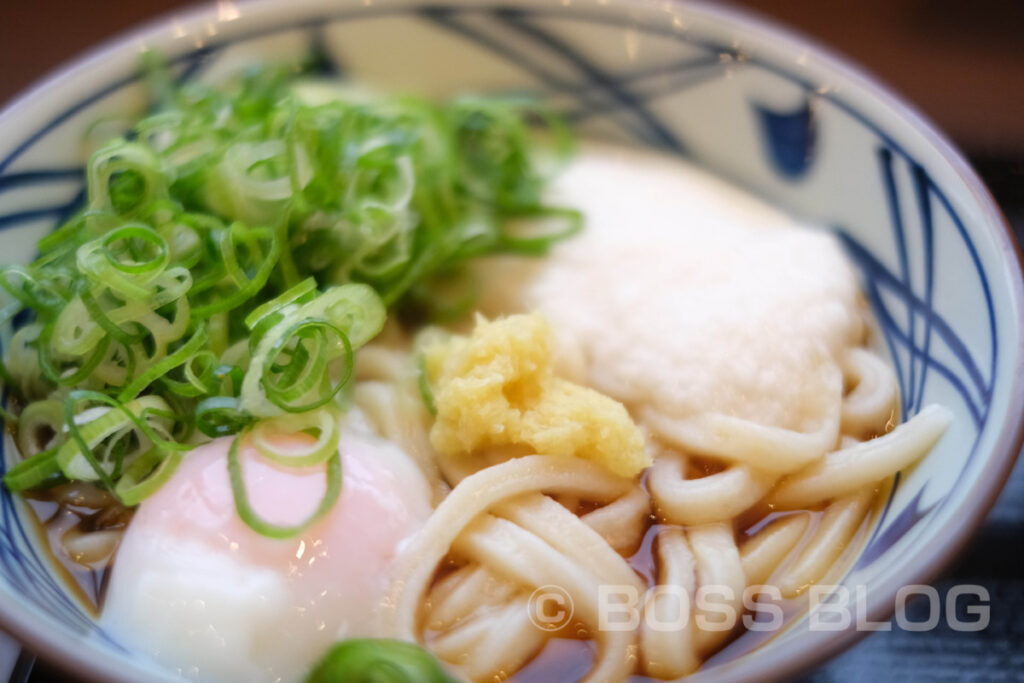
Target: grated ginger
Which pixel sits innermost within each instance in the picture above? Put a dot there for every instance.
(497, 387)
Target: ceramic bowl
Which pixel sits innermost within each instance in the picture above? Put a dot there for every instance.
(754, 103)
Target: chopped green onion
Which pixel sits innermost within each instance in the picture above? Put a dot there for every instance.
(220, 416)
(40, 419)
(378, 660)
(67, 375)
(260, 525)
(238, 247)
(198, 382)
(229, 242)
(298, 293)
(310, 336)
(323, 422)
(33, 472)
(134, 423)
(35, 292)
(184, 354)
(146, 475)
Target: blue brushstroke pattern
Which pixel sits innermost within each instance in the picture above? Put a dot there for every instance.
(519, 19)
(789, 138)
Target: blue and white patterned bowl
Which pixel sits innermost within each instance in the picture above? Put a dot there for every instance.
(755, 104)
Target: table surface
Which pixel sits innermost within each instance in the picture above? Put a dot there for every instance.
(963, 64)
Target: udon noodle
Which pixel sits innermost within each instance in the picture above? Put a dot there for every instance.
(506, 530)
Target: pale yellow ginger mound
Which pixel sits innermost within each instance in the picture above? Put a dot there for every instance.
(497, 388)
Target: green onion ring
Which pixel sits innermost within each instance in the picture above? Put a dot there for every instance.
(181, 355)
(146, 475)
(33, 471)
(103, 426)
(141, 232)
(275, 394)
(323, 421)
(220, 416)
(260, 525)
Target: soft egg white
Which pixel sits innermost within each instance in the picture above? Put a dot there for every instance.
(202, 593)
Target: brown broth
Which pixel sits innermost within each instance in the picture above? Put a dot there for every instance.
(59, 514)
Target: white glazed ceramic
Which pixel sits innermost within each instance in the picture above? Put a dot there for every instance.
(754, 103)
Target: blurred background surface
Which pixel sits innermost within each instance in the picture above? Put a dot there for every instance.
(960, 62)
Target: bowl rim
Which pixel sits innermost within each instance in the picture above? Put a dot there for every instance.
(817, 647)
